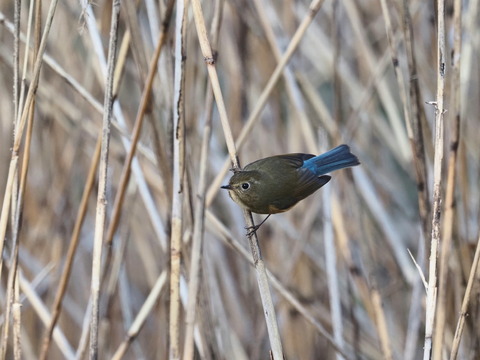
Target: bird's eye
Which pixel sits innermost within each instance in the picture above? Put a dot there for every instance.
(245, 186)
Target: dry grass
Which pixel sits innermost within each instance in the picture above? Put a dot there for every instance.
(268, 78)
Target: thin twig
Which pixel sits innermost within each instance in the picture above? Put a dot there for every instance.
(420, 271)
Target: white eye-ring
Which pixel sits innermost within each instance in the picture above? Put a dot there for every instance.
(245, 186)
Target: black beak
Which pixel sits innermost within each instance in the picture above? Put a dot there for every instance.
(228, 187)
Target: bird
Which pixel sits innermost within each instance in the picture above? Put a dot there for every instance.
(277, 183)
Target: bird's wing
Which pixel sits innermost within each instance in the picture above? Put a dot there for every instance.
(279, 161)
(296, 160)
(307, 183)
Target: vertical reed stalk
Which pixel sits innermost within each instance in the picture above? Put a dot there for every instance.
(450, 201)
(102, 183)
(437, 182)
(178, 180)
(199, 217)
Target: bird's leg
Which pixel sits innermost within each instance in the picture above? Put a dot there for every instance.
(253, 229)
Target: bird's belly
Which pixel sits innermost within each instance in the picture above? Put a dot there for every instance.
(273, 209)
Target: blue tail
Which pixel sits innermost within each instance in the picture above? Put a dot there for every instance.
(335, 159)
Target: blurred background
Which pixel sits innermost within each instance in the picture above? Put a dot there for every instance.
(348, 261)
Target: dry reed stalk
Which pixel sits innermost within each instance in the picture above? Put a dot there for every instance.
(198, 234)
(383, 90)
(359, 280)
(318, 104)
(17, 204)
(84, 337)
(417, 116)
(16, 60)
(465, 303)
(62, 285)
(76, 231)
(132, 41)
(127, 167)
(121, 60)
(291, 298)
(102, 184)
(264, 288)
(33, 12)
(142, 315)
(332, 273)
(450, 201)
(178, 180)
(334, 90)
(12, 275)
(199, 216)
(17, 321)
(292, 87)
(19, 127)
(12, 193)
(415, 312)
(387, 223)
(95, 38)
(437, 183)
(414, 132)
(41, 310)
(146, 196)
(210, 62)
(410, 110)
(381, 324)
(144, 103)
(17, 209)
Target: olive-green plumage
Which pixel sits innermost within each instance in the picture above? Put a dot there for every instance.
(275, 184)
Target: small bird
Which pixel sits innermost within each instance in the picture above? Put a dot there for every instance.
(275, 184)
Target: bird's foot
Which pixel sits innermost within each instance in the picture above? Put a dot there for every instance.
(253, 229)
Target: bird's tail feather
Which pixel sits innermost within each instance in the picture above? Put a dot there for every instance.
(335, 159)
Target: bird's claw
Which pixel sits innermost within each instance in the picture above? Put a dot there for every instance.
(252, 230)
